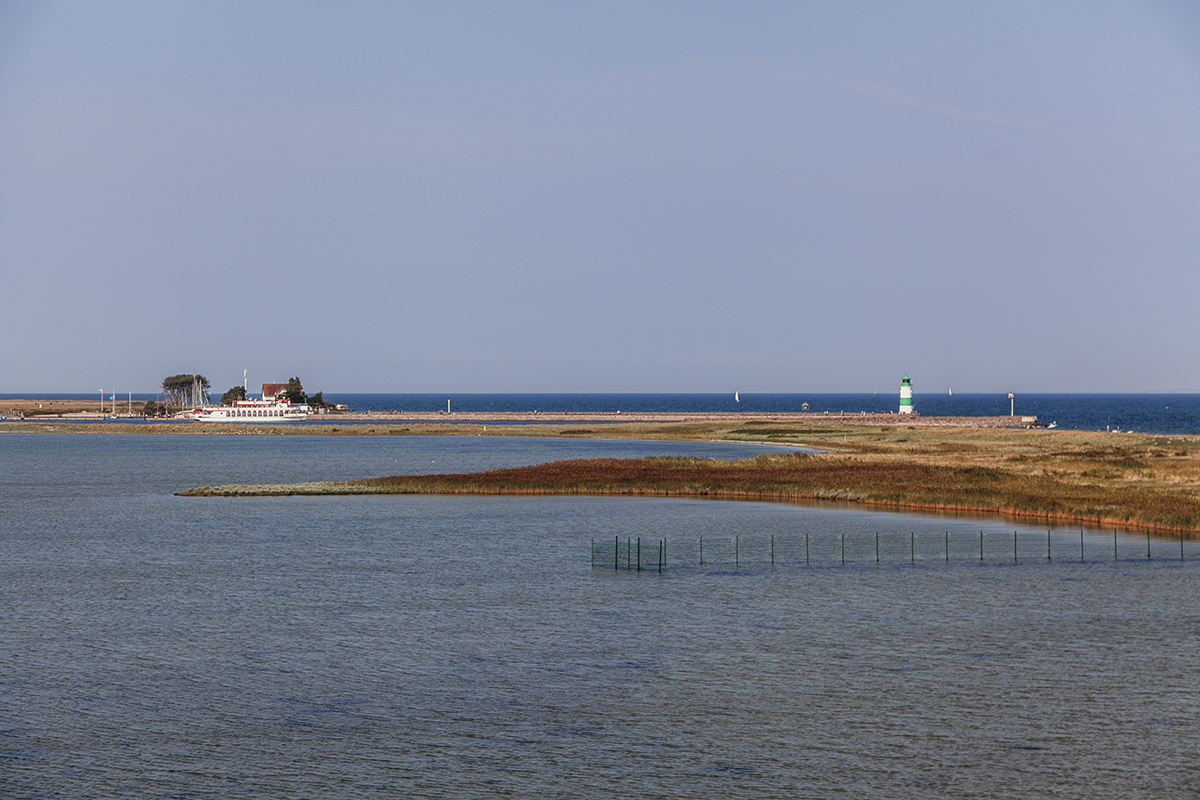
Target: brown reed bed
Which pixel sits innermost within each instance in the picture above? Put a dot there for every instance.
(984, 490)
(1093, 478)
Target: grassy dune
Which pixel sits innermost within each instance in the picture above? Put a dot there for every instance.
(1095, 479)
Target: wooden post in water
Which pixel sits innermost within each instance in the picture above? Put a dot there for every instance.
(702, 551)
(1114, 544)
(1147, 545)
(639, 552)
(772, 549)
(593, 553)
(662, 554)
(876, 547)
(1014, 546)
(1181, 544)
(947, 547)
(806, 547)
(737, 560)
(843, 547)
(628, 551)
(1047, 544)
(616, 552)
(912, 546)
(981, 545)
(1081, 545)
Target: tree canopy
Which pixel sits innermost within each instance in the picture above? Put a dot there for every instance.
(294, 391)
(185, 390)
(233, 395)
(153, 408)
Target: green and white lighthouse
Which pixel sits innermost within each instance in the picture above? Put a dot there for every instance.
(906, 406)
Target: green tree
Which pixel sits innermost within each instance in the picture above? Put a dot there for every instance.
(153, 409)
(186, 390)
(317, 400)
(294, 392)
(233, 395)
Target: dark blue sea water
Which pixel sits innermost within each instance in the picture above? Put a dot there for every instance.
(1145, 413)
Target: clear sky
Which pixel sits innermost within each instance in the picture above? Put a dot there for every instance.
(601, 196)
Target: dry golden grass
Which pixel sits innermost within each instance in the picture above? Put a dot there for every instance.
(1098, 479)
(1095, 478)
(35, 408)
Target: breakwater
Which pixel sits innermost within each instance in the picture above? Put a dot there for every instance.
(1158, 413)
(612, 417)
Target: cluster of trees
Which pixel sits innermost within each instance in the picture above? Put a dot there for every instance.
(153, 408)
(186, 390)
(293, 393)
(192, 390)
(233, 395)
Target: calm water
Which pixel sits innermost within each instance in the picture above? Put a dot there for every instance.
(157, 646)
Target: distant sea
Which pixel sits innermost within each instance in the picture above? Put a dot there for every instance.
(1144, 413)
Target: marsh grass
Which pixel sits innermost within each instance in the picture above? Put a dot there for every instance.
(1094, 478)
(980, 489)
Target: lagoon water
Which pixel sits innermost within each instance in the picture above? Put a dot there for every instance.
(159, 646)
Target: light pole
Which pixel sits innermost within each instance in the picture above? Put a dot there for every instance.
(1010, 404)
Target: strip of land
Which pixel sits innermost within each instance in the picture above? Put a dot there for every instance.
(54, 411)
(1094, 479)
(987, 466)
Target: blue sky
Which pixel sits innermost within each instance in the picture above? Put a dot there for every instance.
(601, 197)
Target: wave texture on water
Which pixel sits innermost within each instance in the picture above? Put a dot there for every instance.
(416, 646)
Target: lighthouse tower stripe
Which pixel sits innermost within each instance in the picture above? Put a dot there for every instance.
(906, 404)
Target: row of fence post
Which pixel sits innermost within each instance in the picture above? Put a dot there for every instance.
(633, 549)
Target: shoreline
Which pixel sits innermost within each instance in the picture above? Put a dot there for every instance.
(560, 417)
(90, 419)
(1138, 481)
(792, 477)
(31, 410)
(971, 465)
